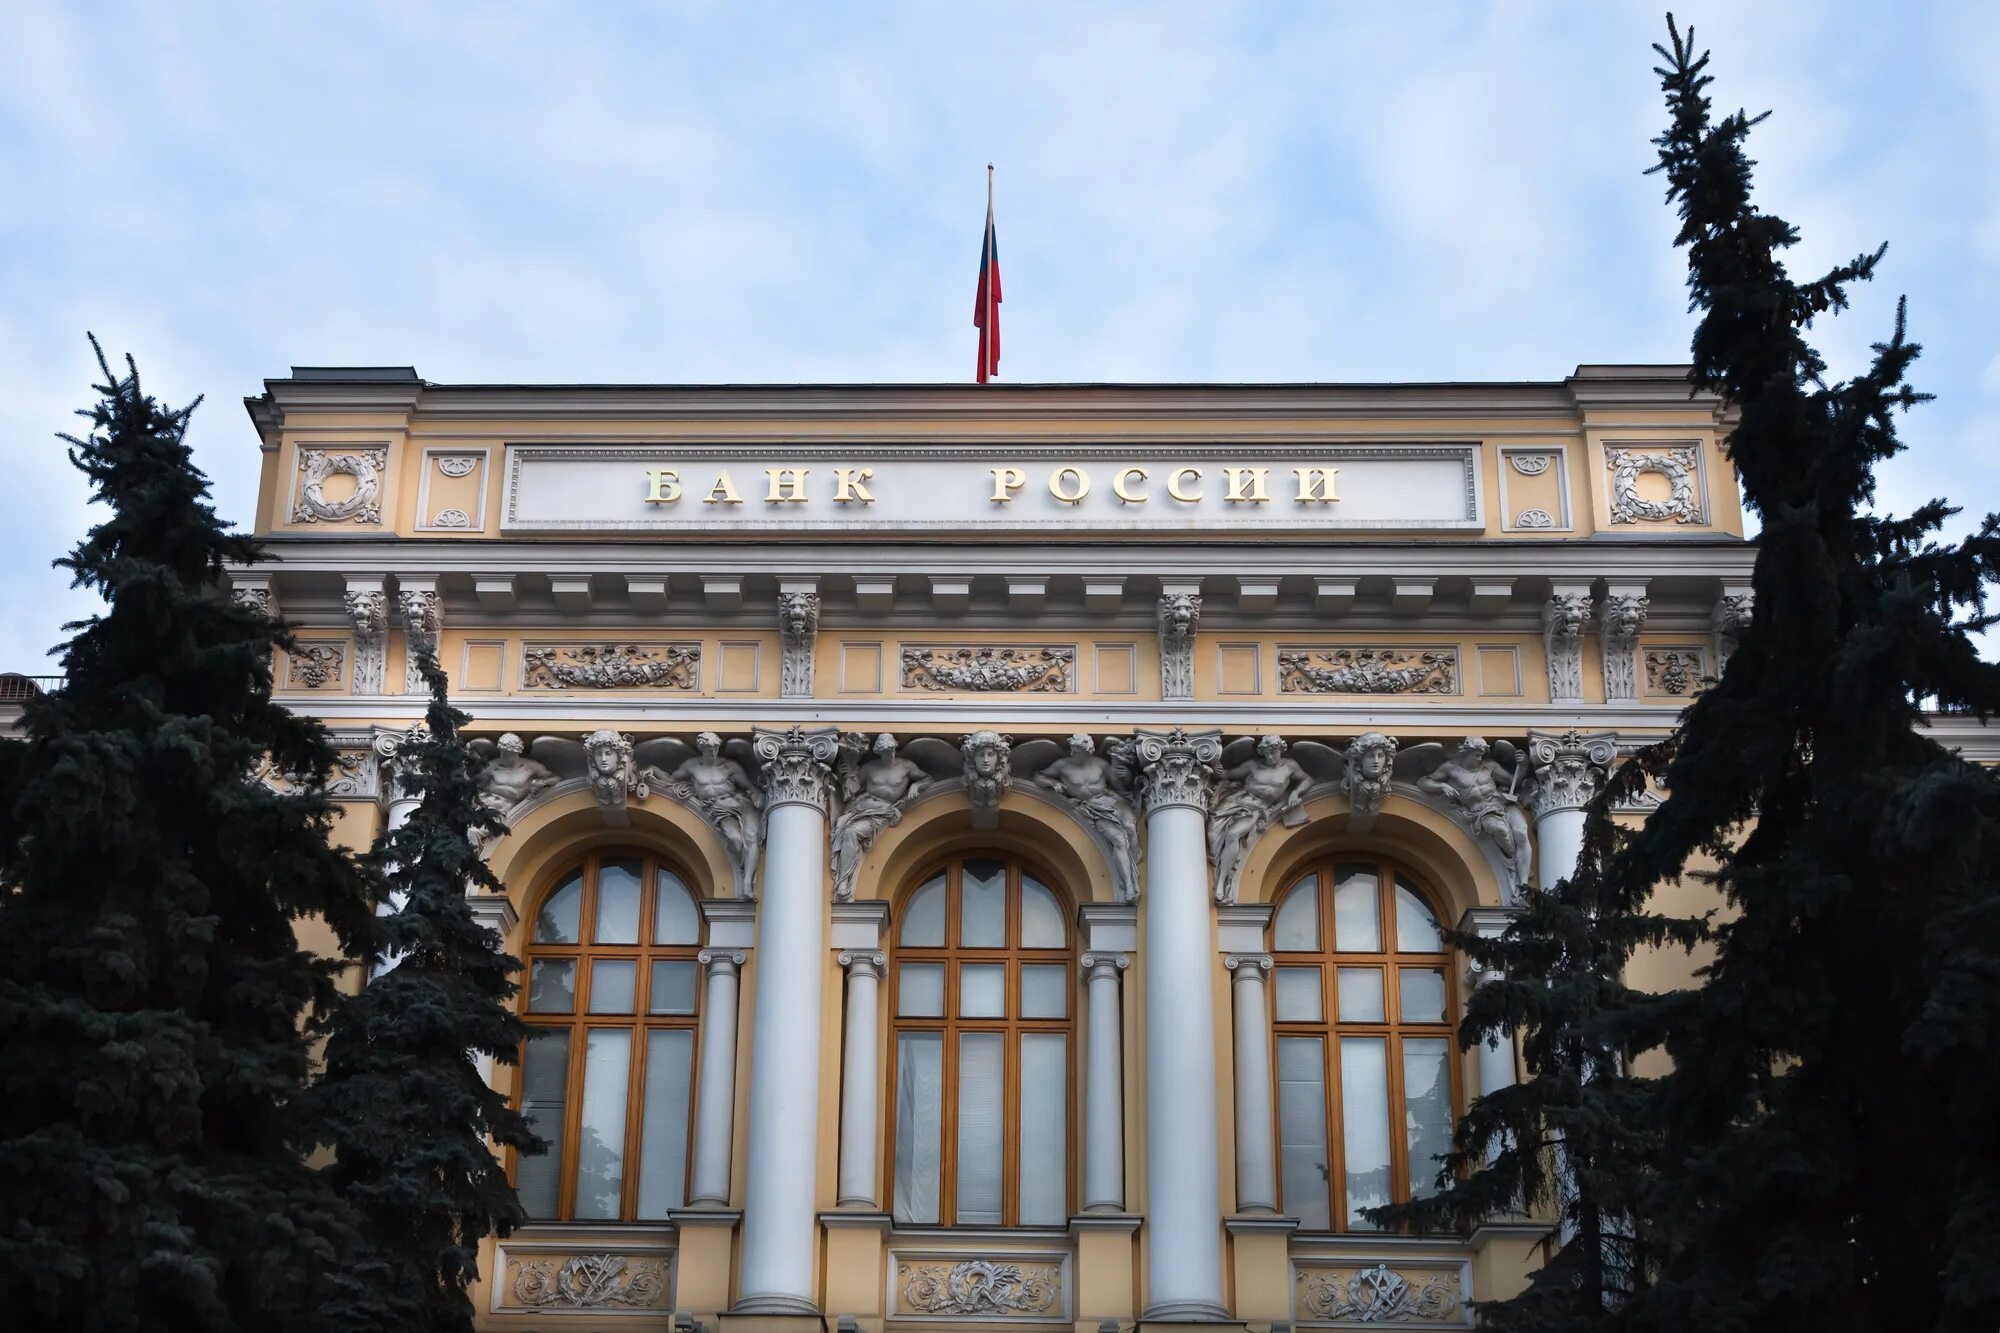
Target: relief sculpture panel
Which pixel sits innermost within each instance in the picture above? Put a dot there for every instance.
(1368, 670)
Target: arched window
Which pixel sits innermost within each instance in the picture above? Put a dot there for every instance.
(982, 992)
(1362, 1002)
(608, 1068)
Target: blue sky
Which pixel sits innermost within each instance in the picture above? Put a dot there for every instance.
(735, 192)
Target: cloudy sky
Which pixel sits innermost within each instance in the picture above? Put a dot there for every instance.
(738, 192)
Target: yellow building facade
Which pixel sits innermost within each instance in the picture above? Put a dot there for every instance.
(979, 854)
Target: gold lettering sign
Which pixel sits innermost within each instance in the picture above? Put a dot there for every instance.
(1069, 483)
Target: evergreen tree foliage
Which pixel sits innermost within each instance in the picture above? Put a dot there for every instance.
(152, 991)
(401, 1103)
(1825, 1152)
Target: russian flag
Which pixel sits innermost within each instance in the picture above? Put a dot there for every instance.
(986, 306)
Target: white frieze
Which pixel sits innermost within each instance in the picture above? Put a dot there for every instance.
(1368, 671)
(979, 1287)
(611, 666)
(989, 669)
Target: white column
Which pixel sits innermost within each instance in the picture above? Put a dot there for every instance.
(859, 1095)
(778, 1224)
(715, 1098)
(397, 807)
(1568, 771)
(1104, 1087)
(1183, 1189)
(1495, 1056)
(1256, 1148)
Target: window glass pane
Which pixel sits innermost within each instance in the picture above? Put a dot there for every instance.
(982, 1108)
(1044, 1128)
(675, 920)
(919, 1121)
(1416, 928)
(618, 902)
(982, 906)
(1041, 917)
(611, 983)
(673, 987)
(1361, 995)
(1296, 927)
(544, 1097)
(1302, 1144)
(1364, 1122)
(1044, 990)
(920, 990)
(1427, 1108)
(600, 1140)
(1423, 994)
(923, 917)
(1298, 995)
(1356, 928)
(556, 923)
(663, 1128)
(552, 986)
(982, 990)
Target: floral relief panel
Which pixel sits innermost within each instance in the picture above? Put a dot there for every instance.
(1333, 1293)
(1026, 1288)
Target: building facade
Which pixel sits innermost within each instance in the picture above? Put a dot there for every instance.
(979, 856)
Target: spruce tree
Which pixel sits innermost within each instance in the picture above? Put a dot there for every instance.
(401, 1103)
(152, 991)
(1830, 1130)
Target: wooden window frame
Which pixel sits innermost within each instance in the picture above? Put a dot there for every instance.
(580, 1022)
(1330, 1028)
(953, 956)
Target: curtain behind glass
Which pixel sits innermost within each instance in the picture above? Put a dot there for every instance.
(544, 1101)
(663, 1127)
(1044, 1162)
(600, 1142)
(1302, 1145)
(919, 1125)
(982, 1110)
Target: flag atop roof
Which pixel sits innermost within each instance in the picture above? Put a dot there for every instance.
(986, 306)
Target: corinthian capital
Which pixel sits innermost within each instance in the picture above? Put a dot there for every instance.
(1569, 769)
(1177, 767)
(797, 765)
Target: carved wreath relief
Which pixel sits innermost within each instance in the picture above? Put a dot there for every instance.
(1369, 671)
(990, 669)
(1377, 1295)
(1679, 466)
(980, 1287)
(589, 1281)
(318, 466)
(612, 666)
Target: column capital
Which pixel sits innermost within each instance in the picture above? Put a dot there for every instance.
(1568, 768)
(1103, 964)
(723, 962)
(1249, 966)
(864, 963)
(392, 765)
(1177, 767)
(797, 765)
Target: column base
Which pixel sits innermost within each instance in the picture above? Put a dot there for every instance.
(771, 1303)
(1188, 1312)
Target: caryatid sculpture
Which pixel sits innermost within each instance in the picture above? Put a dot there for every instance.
(873, 793)
(1481, 786)
(510, 776)
(728, 800)
(1099, 791)
(1267, 787)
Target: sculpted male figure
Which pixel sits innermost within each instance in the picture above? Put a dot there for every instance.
(1266, 787)
(1470, 781)
(729, 799)
(1091, 784)
(510, 777)
(875, 792)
